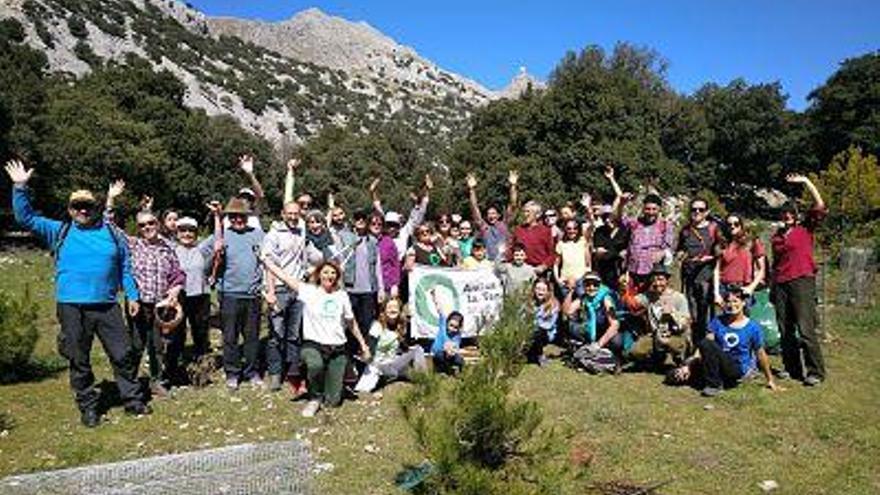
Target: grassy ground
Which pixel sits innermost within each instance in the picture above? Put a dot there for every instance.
(823, 440)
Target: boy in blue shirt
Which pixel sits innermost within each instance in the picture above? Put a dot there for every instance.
(733, 348)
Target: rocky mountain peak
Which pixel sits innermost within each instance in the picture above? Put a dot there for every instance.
(520, 84)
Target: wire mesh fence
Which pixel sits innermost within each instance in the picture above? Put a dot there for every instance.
(249, 469)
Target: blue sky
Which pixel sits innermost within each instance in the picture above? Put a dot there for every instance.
(799, 43)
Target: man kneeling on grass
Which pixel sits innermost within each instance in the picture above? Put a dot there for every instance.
(729, 353)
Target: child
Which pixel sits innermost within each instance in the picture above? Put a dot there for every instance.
(477, 259)
(446, 348)
(516, 274)
(545, 308)
(393, 358)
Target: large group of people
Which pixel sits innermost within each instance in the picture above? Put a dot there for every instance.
(334, 292)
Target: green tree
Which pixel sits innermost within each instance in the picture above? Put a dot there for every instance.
(845, 110)
(851, 189)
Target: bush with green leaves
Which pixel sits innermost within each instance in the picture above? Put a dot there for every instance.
(18, 331)
(475, 437)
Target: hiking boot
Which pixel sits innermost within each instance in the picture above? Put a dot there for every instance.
(274, 383)
(232, 384)
(90, 418)
(256, 382)
(312, 408)
(138, 409)
(812, 381)
(710, 391)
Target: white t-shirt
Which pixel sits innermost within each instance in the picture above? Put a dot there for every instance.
(324, 314)
(387, 343)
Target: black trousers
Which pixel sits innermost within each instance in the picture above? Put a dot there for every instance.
(697, 288)
(197, 311)
(240, 317)
(163, 350)
(79, 325)
(795, 303)
(365, 307)
(719, 369)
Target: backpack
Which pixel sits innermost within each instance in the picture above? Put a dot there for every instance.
(595, 362)
(65, 229)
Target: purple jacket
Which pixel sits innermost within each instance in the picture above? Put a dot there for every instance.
(389, 259)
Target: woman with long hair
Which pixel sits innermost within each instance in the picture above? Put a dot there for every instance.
(545, 309)
(393, 358)
(327, 313)
(743, 261)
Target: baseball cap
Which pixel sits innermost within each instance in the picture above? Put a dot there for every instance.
(81, 196)
(246, 191)
(392, 217)
(188, 222)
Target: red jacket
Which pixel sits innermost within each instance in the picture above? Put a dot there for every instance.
(538, 240)
(793, 249)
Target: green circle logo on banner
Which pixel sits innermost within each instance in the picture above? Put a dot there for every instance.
(423, 296)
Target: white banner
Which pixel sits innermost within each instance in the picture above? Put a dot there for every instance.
(476, 294)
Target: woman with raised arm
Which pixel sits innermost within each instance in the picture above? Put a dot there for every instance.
(494, 227)
(326, 315)
(794, 287)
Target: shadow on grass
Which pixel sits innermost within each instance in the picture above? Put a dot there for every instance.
(35, 370)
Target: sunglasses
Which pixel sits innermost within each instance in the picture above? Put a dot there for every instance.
(191, 230)
(148, 223)
(591, 283)
(82, 205)
(734, 223)
(377, 224)
(443, 222)
(423, 232)
(698, 210)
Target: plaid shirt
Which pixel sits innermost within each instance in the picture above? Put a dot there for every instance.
(647, 243)
(156, 268)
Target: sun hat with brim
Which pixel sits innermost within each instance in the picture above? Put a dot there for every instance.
(246, 191)
(187, 222)
(660, 269)
(237, 206)
(82, 196)
(392, 217)
(592, 276)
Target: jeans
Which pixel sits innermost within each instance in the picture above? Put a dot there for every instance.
(365, 307)
(163, 351)
(285, 324)
(79, 324)
(444, 363)
(795, 303)
(719, 368)
(325, 367)
(240, 316)
(414, 357)
(196, 312)
(698, 289)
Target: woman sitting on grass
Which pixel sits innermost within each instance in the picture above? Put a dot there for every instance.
(733, 346)
(393, 358)
(326, 314)
(545, 309)
(446, 349)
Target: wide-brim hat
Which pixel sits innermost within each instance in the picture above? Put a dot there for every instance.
(660, 269)
(237, 206)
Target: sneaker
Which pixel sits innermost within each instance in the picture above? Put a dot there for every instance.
(274, 383)
(311, 409)
(812, 381)
(232, 384)
(158, 390)
(256, 382)
(710, 391)
(90, 418)
(783, 375)
(543, 361)
(138, 409)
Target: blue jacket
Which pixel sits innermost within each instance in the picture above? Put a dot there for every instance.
(91, 264)
(443, 337)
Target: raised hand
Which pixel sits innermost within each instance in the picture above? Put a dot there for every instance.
(796, 179)
(116, 188)
(331, 201)
(586, 200)
(293, 164)
(429, 182)
(513, 177)
(215, 207)
(246, 163)
(609, 172)
(471, 181)
(374, 185)
(17, 173)
(146, 203)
